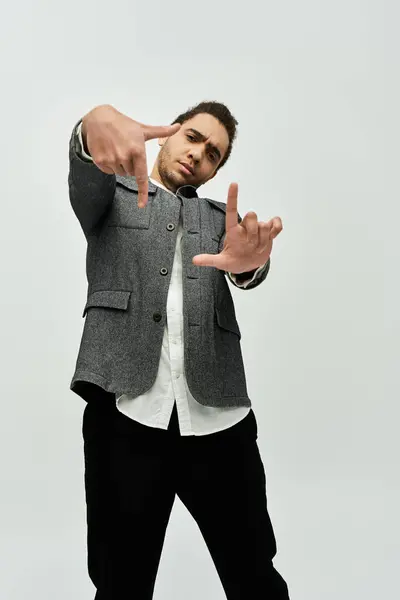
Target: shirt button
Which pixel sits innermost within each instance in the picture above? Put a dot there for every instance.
(164, 271)
(170, 226)
(157, 317)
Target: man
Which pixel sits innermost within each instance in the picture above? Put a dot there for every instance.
(160, 363)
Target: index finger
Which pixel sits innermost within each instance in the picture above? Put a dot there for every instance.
(142, 179)
(152, 132)
(232, 217)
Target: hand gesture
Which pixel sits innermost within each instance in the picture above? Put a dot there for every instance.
(116, 144)
(247, 244)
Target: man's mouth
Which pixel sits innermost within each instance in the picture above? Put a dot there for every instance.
(186, 168)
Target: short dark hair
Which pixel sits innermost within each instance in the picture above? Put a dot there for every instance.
(220, 112)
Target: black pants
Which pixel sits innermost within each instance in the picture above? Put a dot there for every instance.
(132, 473)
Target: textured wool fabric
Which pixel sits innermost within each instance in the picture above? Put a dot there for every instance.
(130, 254)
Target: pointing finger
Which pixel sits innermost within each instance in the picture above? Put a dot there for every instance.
(152, 132)
(231, 207)
(142, 179)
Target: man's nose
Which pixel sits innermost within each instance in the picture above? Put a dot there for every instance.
(195, 155)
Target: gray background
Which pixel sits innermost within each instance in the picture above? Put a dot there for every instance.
(315, 88)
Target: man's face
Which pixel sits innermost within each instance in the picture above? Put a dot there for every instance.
(201, 144)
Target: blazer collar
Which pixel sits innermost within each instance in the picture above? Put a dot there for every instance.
(187, 191)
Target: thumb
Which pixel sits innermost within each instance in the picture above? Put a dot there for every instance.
(152, 132)
(206, 260)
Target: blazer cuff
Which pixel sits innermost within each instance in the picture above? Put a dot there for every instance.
(247, 282)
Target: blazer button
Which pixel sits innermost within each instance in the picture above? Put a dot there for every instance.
(157, 317)
(164, 271)
(170, 226)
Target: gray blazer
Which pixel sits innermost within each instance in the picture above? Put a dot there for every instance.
(129, 259)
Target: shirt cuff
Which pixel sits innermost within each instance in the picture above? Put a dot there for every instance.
(244, 284)
(80, 138)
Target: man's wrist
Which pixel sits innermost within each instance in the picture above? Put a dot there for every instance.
(250, 274)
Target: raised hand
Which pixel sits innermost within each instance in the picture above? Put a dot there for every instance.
(247, 245)
(116, 144)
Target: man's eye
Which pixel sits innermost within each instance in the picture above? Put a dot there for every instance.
(190, 137)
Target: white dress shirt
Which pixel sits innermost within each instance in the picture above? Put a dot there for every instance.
(154, 407)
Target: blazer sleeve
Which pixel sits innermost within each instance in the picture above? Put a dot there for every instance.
(245, 280)
(91, 192)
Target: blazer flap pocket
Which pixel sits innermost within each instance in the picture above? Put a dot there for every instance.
(227, 321)
(118, 299)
